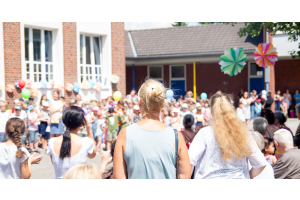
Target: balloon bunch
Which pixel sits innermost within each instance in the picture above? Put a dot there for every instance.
(34, 92)
(76, 87)
(28, 83)
(92, 84)
(85, 85)
(43, 84)
(17, 85)
(60, 87)
(10, 88)
(114, 79)
(69, 87)
(98, 87)
(52, 83)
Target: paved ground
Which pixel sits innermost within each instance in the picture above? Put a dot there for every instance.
(45, 169)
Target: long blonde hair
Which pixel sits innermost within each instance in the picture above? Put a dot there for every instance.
(83, 171)
(230, 132)
(152, 96)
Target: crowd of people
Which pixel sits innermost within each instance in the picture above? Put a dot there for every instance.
(150, 136)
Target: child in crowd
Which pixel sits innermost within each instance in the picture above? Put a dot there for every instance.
(206, 112)
(136, 117)
(17, 114)
(175, 119)
(45, 125)
(79, 100)
(189, 95)
(199, 117)
(284, 108)
(15, 160)
(130, 108)
(100, 129)
(124, 118)
(258, 106)
(167, 117)
(33, 129)
(4, 117)
(184, 112)
(268, 151)
(240, 112)
(112, 127)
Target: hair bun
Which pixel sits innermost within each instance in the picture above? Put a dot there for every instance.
(156, 94)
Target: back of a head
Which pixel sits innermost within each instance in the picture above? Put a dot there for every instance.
(280, 117)
(152, 96)
(258, 138)
(83, 171)
(260, 124)
(269, 115)
(230, 132)
(297, 107)
(188, 121)
(284, 137)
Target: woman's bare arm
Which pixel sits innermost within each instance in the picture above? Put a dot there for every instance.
(119, 162)
(184, 160)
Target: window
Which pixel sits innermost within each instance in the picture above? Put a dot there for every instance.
(38, 54)
(90, 58)
(156, 73)
(255, 70)
(177, 72)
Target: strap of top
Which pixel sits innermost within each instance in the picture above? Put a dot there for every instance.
(269, 133)
(176, 142)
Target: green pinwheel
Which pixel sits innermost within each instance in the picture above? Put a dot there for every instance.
(233, 61)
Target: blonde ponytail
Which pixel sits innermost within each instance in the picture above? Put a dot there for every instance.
(230, 132)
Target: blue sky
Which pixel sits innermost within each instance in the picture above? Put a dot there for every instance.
(149, 25)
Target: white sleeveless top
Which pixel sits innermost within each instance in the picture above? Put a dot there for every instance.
(56, 105)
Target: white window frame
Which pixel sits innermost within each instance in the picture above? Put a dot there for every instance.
(162, 72)
(43, 62)
(92, 65)
(175, 79)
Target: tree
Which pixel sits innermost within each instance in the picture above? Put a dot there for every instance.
(180, 24)
(290, 28)
(208, 23)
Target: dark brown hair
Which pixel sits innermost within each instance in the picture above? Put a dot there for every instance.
(14, 128)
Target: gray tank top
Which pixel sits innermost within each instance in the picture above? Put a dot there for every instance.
(150, 154)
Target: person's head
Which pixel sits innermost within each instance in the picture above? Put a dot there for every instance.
(45, 106)
(280, 119)
(43, 98)
(152, 98)
(189, 94)
(253, 93)
(260, 125)
(242, 90)
(136, 109)
(78, 97)
(278, 92)
(31, 108)
(206, 103)
(258, 138)
(184, 107)
(269, 146)
(83, 171)
(296, 91)
(132, 93)
(3, 106)
(283, 140)
(188, 121)
(269, 115)
(18, 109)
(167, 112)
(258, 101)
(89, 108)
(199, 110)
(230, 132)
(269, 93)
(287, 91)
(175, 112)
(14, 129)
(246, 95)
(55, 95)
(111, 111)
(73, 119)
(121, 104)
(109, 99)
(241, 105)
(96, 109)
(124, 110)
(181, 96)
(130, 104)
(297, 108)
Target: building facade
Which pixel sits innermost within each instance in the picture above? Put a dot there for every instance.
(65, 52)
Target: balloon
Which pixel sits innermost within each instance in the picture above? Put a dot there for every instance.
(169, 94)
(85, 85)
(10, 88)
(114, 79)
(76, 87)
(85, 111)
(34, 92)
(26, 93)
(60, 87)
(52, 83)
(28, 83)
(43, 84)
(17, 85)
(92, 84)
(203, 96)
(117, 95)
(98, 87)
(21, 83)
(69, 87)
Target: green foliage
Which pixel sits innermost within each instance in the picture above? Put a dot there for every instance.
(180, 24)
(208, 23)
(290, 28)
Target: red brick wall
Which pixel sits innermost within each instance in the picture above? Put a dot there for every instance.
(12, 58)
(118, 55)
(139, 77)
(70, 55)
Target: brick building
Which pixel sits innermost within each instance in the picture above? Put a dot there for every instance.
(63, 52)
(168, 55)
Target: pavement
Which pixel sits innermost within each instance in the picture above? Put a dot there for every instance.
(45, 169)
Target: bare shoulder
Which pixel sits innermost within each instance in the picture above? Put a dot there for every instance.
(122, 135)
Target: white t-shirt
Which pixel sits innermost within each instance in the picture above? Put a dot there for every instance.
(32, 127)
(10, 165)
(240, 114)
(57, 104)
(267, 173)
(24, 114)
(99, 131)
(4, 117)
(14, 115)
(61, 166)
(182, 114)
(199, 117)
(205, 155)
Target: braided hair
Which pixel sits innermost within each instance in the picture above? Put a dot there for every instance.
(14, 128)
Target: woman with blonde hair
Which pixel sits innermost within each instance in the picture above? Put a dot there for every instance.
(223, 149)
(83, 171)
(146, 149)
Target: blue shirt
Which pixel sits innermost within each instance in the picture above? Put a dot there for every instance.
(297, 97)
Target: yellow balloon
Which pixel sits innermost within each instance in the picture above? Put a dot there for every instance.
(117, 95)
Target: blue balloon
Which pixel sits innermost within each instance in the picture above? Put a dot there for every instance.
(76, 87)
(17, 84)
(169, 94)
(203, 96)
(43, 84)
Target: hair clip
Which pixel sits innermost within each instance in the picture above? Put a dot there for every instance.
(20, 148)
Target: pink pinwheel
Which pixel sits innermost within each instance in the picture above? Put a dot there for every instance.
(265, 55)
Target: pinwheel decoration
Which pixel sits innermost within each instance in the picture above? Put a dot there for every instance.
(60, 87)
(17, 85)
(43, 84)
(265, 55)
(52, 84)
(85, 85)
(69, 87)
(76, 87)
(92, 84)
(34, 92)
(28, 83)
(10, 88)
(114, 79)
(233, 61)
(98, 87)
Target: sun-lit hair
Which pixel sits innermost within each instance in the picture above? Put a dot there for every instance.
(152, 96)
(83, 171)
(4, 104)
(230, 132)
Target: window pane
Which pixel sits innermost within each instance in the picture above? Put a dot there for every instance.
(35, 79)
(40, 68)
(27, 67)
(91, 78)
(36, 45)
(47, 77)
(100, 70)
(48, 46)
(100, 79)
(34, 67)
(177, 71)
(96, 70)
(87, 70)
(88, 50)
(51, 76)
(81, 49)
(51, 68)
(26, 44)
(81, 70)
(96, 50)
(90, 70)
(81, 78)
(155, 72)
(255, 70)
(47, 68)
(87, 78)
(28, 76)
(40, 77)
